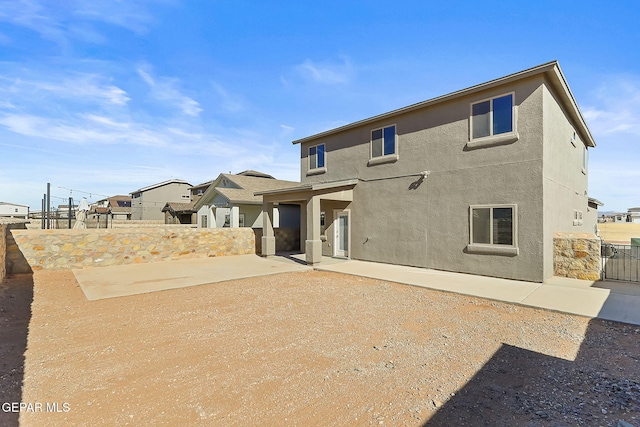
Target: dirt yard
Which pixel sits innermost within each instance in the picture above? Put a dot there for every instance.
(306, 349)
(618, 232)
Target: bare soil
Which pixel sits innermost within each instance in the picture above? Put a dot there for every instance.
(305, 349)
(618, 232)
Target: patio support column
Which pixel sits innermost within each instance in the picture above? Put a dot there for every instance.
(268, 237)
(313, 244)
(234, 221)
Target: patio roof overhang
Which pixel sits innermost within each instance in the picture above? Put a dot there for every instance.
(338, 190)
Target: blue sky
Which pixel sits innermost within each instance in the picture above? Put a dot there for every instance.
(105, 97)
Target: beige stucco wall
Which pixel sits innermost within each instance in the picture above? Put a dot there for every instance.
(61, 249)
(403, 220)
(565, 184)
(149, 206)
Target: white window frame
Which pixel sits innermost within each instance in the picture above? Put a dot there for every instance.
(315, 170)
(492, 139)
(585, 159)
(491, 248)
(384, 158)
(578, 217)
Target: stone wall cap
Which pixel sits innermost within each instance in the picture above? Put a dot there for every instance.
(568, 235)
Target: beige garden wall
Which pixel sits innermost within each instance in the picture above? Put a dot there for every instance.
(62, 249)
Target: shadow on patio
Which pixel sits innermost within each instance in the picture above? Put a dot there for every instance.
(526, 388)
(16, 296)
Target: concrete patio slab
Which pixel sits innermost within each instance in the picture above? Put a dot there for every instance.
(122, 280)
(481, 286)
(618, 301)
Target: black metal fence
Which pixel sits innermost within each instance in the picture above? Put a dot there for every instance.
(621, 262)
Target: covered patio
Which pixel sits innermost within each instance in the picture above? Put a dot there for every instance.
(324, 218)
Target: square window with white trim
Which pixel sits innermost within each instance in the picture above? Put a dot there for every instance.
(493, 116)
(316, 157)
(493, 227)
(383, 141)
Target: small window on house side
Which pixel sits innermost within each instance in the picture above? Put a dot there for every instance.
(492, 117)
(585, 159)
(383, 141)
(316, 157)
(493, 229)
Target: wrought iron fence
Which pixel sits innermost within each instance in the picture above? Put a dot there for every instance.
(621, 262)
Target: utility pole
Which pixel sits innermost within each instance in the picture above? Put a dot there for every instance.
(48, 205)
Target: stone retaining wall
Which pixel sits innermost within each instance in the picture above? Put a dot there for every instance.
(576, 255)
(63, 249)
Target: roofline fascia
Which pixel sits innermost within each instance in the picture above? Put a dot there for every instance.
(549, 67)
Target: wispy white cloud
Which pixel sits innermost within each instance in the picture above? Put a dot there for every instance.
(63, 21)
(165, 89)
(616, 109)
(228, 102)
(78, 87)
(327, 73)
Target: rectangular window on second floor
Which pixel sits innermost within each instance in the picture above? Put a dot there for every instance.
(316, 157)
(492, 116)
(383, 141)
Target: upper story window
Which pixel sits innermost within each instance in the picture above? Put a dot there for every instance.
(492, 116)
(384, 145)
(316, 160)
(316, 157)
(585, 159)
(383, 141)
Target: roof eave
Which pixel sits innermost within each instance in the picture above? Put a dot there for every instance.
(550, 68)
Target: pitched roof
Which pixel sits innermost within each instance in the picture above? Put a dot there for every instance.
(551, 70)
(178, 207)
(161, 184)
(248, 184)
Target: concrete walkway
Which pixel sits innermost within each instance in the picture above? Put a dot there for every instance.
(617, 301)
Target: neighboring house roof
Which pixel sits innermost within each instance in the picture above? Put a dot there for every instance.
(176, 207)
(161, 184)
(256, 174)
(247, 183)
(595, 201)
(634, 209)
(550, 69)
(13, 204)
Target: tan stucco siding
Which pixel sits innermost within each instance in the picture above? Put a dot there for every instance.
(565, 184)
(399, 219)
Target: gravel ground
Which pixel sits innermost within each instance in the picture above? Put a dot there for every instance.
(311, 348)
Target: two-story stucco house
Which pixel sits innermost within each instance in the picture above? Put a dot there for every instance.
(147, 202)
(476, 181)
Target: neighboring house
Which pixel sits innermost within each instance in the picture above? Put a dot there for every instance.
(116, 207)
(633, 215)
(12, 210)
(184, 213)
(229, 201)
(147, 202)
(476, 181)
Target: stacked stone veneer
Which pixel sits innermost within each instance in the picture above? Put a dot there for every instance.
(63, 249)
(577, 255)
